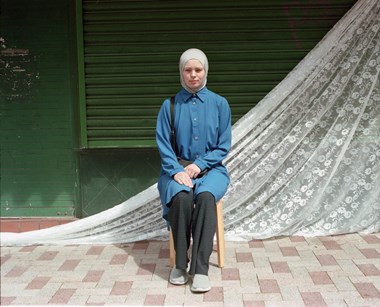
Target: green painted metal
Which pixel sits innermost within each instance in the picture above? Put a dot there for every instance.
(110, 176)
(38, 166)
(44, 79)
(131, 51)
(81, 74)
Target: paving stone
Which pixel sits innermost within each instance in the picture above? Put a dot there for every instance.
(7, 300)
(48, 256)
(93, 276)
(297, 239)
(252, 303)
(362, 302)
(69, 265)
(62, 296)
(136, 297)
(348, 268)
(326, 260)
(154, 300)
(320, 278)
(119, 259)
(269, 286)
(288, 251)
(280, 267)
(244, 257)
(230, 274)
(175, 296)
(38, 282)
(371, 239)
(95, 250)
(31, 300)
(343, 283)
(313, 299)
(78, 300)
(331, 244)
(262, 262)
(256, 244)
(369, 269)
(16, 271)
(367, 290)
(214, 295)
(231, 297)
(370, 253)
(289, 271)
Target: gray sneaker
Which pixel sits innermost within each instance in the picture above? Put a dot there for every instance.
(201, 283)
(178, 277)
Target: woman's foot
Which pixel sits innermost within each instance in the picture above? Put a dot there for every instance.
(178, 277)
(201, 283)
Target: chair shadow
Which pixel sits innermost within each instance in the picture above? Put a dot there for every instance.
(149, 257)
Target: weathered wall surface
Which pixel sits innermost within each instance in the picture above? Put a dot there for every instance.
(38, 165)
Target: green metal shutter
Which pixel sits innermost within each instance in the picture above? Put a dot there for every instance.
(132, 48)
(38, 168)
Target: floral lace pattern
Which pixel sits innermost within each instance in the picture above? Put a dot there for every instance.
(311, 165)
(305, 161)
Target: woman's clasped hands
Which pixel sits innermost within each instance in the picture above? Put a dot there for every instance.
(185, 178)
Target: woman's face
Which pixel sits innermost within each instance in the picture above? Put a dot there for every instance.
(193, 74)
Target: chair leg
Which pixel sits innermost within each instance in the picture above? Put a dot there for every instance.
(220, 233)
(172, 250)
(219, 238)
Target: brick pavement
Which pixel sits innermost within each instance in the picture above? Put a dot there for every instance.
(288, 271)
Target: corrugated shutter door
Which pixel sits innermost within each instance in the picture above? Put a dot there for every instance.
(132, 48)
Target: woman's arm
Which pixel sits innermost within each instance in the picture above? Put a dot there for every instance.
(224, 139)
(168, 157)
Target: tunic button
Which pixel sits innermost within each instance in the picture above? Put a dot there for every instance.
(195, 119)
(196, 138)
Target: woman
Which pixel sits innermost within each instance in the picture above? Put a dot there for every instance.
(202, 124)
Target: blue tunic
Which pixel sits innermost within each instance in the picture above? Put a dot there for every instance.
(203, 135)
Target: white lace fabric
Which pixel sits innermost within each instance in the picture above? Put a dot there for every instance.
(305, 161)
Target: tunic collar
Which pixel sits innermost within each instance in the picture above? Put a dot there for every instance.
(201, 94)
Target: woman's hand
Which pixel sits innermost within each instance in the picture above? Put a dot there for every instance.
(192, 170)
(183, 178)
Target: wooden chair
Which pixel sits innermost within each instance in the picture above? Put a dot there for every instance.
(219, 237)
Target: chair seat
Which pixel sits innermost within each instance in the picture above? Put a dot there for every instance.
(219, 237)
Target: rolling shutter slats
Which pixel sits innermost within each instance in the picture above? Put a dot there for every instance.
(132, 49)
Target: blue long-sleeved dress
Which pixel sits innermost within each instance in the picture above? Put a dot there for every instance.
(203, 135)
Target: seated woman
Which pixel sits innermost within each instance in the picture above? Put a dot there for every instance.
(202, 124)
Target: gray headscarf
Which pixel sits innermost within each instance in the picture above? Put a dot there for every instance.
(193, 54)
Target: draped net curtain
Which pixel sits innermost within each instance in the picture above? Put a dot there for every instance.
(305, 161)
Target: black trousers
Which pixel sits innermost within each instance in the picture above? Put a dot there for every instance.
(194, 219)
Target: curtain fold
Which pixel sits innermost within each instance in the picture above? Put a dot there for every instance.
(305, 161)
